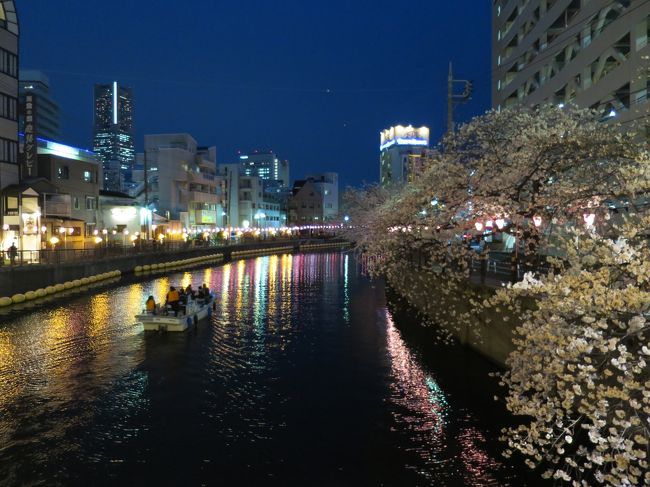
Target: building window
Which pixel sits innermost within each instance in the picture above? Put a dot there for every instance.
(88, 176)
(11, 206)
(8, 63)
(8, 107)
(8, 151)
(76, 203)
(90, 203)
(62, 172)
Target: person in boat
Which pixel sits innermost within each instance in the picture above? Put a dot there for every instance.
(189, 291)
(151, 305)
(173, 299)
(205, 290)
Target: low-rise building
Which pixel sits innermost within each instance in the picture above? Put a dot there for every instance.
(182, 181)
(315, 200)
(121, 218)
(306, 204)
(246, 205)
(327, 184)
(59, 200)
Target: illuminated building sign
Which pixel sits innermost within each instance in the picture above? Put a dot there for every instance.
(400, 135)
(124, 214)
(30, 150)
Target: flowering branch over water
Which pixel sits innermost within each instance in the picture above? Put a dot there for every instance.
(578, 376)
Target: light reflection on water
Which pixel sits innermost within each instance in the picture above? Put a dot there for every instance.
(300, 360)
(424, 411)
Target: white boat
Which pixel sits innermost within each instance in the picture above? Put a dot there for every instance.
(164, 319)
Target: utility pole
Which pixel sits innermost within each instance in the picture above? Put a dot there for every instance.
(453, 100)
(450, 101)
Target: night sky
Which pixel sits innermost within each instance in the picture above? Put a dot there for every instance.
(313, 80)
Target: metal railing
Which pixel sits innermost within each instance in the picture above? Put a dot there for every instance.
(103, 251)
(494, 267)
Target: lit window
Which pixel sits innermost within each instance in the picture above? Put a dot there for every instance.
(88, 176)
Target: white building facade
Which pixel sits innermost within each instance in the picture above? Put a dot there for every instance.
(245, 203)
(182, 181)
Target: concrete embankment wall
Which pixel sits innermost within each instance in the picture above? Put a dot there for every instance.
(19, 279)
(488, 332)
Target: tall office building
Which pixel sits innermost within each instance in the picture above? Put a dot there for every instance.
(9, 169)
(398, 146)
(590, 53)
(35, 87)
(267, 166)
(113, 133)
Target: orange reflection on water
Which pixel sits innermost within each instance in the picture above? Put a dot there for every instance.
(225, 283)
(160, 289)
(187, 280)
(273, 278)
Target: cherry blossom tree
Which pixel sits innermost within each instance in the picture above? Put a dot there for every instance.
(578, 377)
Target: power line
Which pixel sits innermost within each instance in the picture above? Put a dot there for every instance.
(213, 84)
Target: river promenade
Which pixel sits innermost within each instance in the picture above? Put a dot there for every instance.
(22, 278)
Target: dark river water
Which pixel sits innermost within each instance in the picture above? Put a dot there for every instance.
(304, 376)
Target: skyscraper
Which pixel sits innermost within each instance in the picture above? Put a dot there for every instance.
(35, 86)
(113, 133)
(591, 54)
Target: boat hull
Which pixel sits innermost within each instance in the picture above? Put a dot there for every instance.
(160, 322)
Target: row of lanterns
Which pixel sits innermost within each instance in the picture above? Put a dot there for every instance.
(589, 219)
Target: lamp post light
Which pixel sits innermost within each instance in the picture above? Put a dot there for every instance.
(53, 241)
